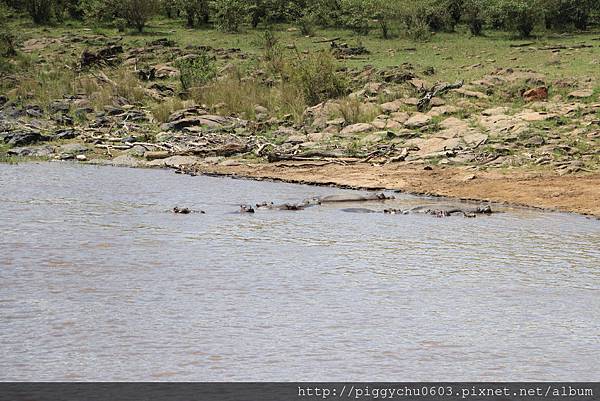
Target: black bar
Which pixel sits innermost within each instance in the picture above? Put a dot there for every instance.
(298, 391)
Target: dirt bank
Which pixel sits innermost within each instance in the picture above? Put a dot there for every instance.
(573, 193)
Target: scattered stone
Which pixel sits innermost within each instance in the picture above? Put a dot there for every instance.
(81, 158)
(22, 137)
(581, 94)
(418, 120)
(354, 129)
(536, 94)
(33, 151)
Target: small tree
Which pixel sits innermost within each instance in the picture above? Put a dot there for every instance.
(197, 12)
(39, 10)
(138, 12)
(474, 14)
(522, 15)
(229, 15)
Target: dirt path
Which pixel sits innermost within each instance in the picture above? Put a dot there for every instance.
(573, 193)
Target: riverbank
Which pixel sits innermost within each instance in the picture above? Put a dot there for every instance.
(578, 194)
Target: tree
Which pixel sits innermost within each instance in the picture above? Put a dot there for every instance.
(39, 10)
(521, 15)
(197, 12)
(474, 15)
(229, 14)
(137, 12)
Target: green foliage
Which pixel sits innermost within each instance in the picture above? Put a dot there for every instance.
(8, 47)
(197, 12)
(40, 10)
(229, 15)
(562, 14)
(316, 77)
(474, 15)
(138, 12)
(196, 71)
(521, 15)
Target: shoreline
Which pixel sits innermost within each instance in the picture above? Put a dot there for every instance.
(540, 190)
(578, 194)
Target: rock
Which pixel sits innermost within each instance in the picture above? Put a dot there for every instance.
(33, 151)
(356, 129)
(125, 161)
(261, 110)
(73, 149)
(400, 117)
(154, 155)
(494, 111)
(173, 161)
(22, 137)
(418, 120)
(470, 93)
(581, 94)
(296, 139)
(3, 100)
(373, 88)
(475, 140)
(435, 146)
(209, 121)
(81, 158)
(391, 107)
(535, 141)
(531, 116)
(66, 134)
(137, 150)
(536, 94)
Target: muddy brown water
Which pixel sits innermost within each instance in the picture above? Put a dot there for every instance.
(99, 282)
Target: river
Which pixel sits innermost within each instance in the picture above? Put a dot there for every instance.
(98, 281)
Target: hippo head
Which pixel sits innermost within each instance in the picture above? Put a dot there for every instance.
(484, 209)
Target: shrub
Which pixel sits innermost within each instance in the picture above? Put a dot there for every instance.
(521, 15)
(121, 24)
(474, 15)
(137, 12)
(196, 11)
(196, 71)
(39, 10)
(229, 15)
(566, 13)
(316, 77)
(307, 23)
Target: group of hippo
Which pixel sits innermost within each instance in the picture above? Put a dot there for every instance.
(349, 198)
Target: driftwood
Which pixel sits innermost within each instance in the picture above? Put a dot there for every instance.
(425, 101)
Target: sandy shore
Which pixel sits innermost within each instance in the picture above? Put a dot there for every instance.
(570, 193)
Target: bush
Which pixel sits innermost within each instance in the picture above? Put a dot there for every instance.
(521, 15)
(39, 10)
(474, 15)
(197, 71)
(229, 15)
(121, 24)
(197, 12)
(316, 77)
(137, 12)
(566, 13)
(307, 24)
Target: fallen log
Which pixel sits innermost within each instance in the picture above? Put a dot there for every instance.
(424, 103)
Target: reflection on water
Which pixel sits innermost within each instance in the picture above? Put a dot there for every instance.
(98, 282)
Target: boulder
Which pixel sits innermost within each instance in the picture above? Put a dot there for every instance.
(356, 129)
(22, 137)
(536, 94)
(418, 120)
(581, 94)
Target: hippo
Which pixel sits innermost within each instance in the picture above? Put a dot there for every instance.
(355, 198)
(288, 206)
(185, 210)
(246, 209)
(449, 211)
